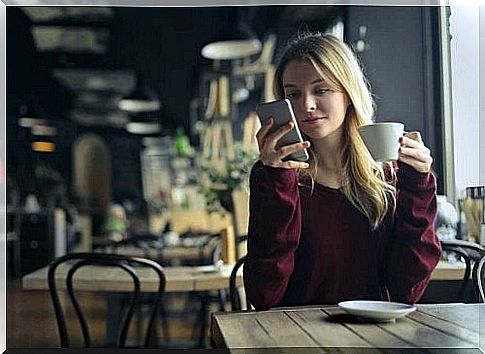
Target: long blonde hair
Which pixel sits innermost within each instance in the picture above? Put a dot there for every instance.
(364, 181)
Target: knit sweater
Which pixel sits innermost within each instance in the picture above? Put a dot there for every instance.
(315, 247)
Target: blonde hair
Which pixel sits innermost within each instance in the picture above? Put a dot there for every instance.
(364, 181)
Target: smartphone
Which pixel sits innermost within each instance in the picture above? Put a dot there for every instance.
(282, 113)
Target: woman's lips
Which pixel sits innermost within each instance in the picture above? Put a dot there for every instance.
(312, 120)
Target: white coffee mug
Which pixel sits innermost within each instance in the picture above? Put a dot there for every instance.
(382, 139)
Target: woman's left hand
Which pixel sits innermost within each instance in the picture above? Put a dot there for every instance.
(414, 153)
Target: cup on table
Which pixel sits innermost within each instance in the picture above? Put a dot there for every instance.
(382, 139)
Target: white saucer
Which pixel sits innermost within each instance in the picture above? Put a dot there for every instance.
(381, 311)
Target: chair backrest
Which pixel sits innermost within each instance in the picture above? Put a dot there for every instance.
(471, 253)
(233, 290)
(74, 262)
(478, 278)
(216, 253)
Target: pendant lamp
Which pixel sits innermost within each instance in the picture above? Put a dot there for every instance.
(233, 43)
(141, 99)
(31, 113)
(144, 124)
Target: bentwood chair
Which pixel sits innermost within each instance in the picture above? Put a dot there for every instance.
(471, 253)
(129, 265)
(234, 294)
(149, 246)
(479, 278)
(206, 298)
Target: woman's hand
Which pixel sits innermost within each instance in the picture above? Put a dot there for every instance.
(269, 155)
(414, 152)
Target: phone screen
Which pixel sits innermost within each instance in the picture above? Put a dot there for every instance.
(282, 113)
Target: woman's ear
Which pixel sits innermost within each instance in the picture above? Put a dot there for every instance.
(348, 101)
(348, 107)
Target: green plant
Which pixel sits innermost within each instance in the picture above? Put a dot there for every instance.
(220, 184)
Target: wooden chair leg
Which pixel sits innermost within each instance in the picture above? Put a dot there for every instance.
(222, 298)
(203, 322)
(164, 320)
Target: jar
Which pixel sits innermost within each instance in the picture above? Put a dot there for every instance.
(474, 209)
(446, 219)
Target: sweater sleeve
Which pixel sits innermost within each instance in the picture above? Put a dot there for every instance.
(273, 234)
(415, 248)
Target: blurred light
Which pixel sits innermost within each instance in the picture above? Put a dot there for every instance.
(141, 99)
(30, 113)
(139, 105)
(29, 122)
(143, 128)
(43, 146)
(240, 95)
(231, 49)
(43, 130)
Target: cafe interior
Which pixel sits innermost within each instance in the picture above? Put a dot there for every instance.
(131, 131)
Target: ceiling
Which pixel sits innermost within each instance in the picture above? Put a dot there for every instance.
(80, 61)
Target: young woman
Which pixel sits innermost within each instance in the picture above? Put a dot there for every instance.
(341, 226)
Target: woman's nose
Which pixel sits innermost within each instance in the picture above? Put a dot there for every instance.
(308, 103)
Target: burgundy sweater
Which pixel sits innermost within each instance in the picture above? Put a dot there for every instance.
(318, 248)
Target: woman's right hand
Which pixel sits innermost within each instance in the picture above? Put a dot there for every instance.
(269, 155)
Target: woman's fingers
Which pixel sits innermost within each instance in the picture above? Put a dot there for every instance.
(284, 151)
(419, 166)
(414, 153)
(409, 142)
(263, 131)
(264, 138)
(419, 154)
(295, 164)
(269, 155)
(272, 139)
(414, 135)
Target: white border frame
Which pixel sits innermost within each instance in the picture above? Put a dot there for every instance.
(448, 121)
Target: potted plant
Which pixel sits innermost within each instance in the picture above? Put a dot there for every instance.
(219, 185)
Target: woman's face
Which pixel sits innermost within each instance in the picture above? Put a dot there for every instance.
(320, 111)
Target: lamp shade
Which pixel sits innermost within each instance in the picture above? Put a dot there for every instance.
(146, 123)
(30, 114)
(43, 130)
(235, 42)
(143, 128)
(231, 49)
(141, 99)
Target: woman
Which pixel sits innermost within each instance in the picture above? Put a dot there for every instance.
(341, 226)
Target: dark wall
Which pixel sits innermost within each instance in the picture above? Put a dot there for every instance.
(29, 76)
(403, 68)
(164, 45)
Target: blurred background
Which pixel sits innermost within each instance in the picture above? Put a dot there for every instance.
(119, 105)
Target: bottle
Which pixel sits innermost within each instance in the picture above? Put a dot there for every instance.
(482, 233)
(182, 143)
(474, 209)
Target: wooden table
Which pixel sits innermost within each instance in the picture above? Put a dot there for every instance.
(431, 326)
(108, 279)
(97, 278)
(115, 282)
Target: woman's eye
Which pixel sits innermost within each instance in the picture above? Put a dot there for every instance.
(291, 95)
(322, 91)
